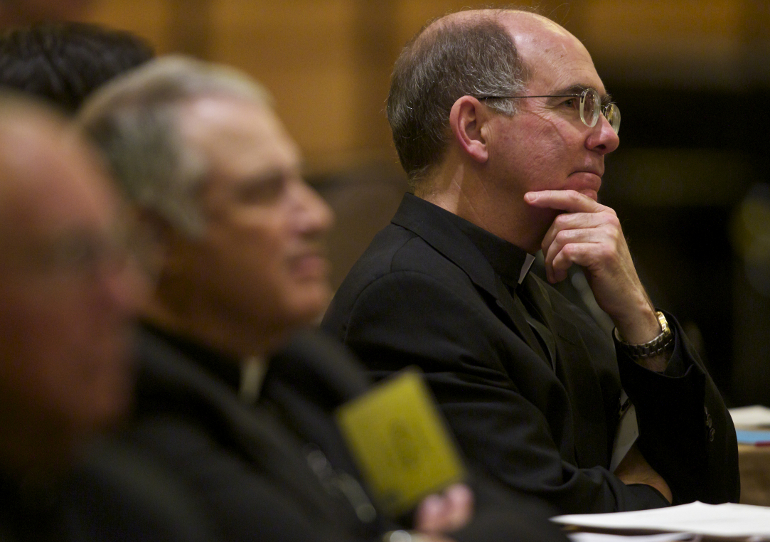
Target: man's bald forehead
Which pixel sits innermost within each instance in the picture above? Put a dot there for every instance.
(24, 121)
(516, 19)
(26, 128)
(36, 146)
(456, 19)
(18, 107)
(23, 128)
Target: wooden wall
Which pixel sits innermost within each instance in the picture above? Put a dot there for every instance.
(328, 61)
(692, 78)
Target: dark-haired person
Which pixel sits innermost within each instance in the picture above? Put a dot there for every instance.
(502, 125)
(64, 62)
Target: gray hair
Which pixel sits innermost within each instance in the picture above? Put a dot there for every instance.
(135, 120)
(446, 60)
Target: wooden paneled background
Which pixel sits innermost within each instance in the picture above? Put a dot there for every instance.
(328, 61)
(690, 180)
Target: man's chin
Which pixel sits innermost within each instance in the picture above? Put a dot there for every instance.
(310, 304)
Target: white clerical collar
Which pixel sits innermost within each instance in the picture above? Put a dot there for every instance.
(525, 268)
(253, 371)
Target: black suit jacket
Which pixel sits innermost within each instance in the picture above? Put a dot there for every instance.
(424, 294)
(250, 465)
(112, 493)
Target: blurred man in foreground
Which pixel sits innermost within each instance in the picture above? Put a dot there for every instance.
(240, 267)
(69, 291)
(67, 294)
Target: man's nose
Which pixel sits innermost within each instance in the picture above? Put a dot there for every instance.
(317, 215)
(602, 138)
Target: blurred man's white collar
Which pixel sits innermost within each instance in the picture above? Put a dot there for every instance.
(253, 371)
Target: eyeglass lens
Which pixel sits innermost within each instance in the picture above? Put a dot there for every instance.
(591, 106)
(613, 116)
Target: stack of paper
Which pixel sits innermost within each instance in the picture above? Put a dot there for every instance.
(751, 417)
(605, 537)
(721, 520)
(752, 425)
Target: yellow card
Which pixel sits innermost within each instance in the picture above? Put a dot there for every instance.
(401, 442)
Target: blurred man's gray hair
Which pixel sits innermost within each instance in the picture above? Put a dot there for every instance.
(135, 120)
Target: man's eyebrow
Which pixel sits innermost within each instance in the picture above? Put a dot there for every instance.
(276, 171)
(573, 89)
(578, 89)
(257, 181)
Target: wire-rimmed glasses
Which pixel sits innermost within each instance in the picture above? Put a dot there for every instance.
(590, 106)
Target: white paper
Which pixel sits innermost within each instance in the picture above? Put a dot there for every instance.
(728, 520)
(756, 416)
(626, 435)
(604, 537)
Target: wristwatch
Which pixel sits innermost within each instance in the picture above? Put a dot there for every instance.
(404, 536)
(651, 348)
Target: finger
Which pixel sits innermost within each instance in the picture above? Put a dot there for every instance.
(570, 201)
(556, 264)
(445, 512)
(430, 514)
(576, 222)
(459, 506)
(598, 228)
(554, 242)
(582, 254)
(592, 250)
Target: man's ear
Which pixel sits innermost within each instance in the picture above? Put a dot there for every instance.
(154, 239)
(467, 118)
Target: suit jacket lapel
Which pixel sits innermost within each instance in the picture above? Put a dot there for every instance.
(321, 368)
(274, 452)
(431, 224)
(577, 374)
(506, 301)
(434, 226)
(307, 381)
(572, 363)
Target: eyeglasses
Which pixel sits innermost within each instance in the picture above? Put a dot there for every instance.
(590, 106)
(77, 255)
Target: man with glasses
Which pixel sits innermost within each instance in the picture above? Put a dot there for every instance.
(69, 291)
(67, 297)
(502, 125)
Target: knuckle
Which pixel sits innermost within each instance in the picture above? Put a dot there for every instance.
(611, 230)
(607, 256)
(610, 217)
(561, 220)
(563, 237)
(570, 251)
(605, 252)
